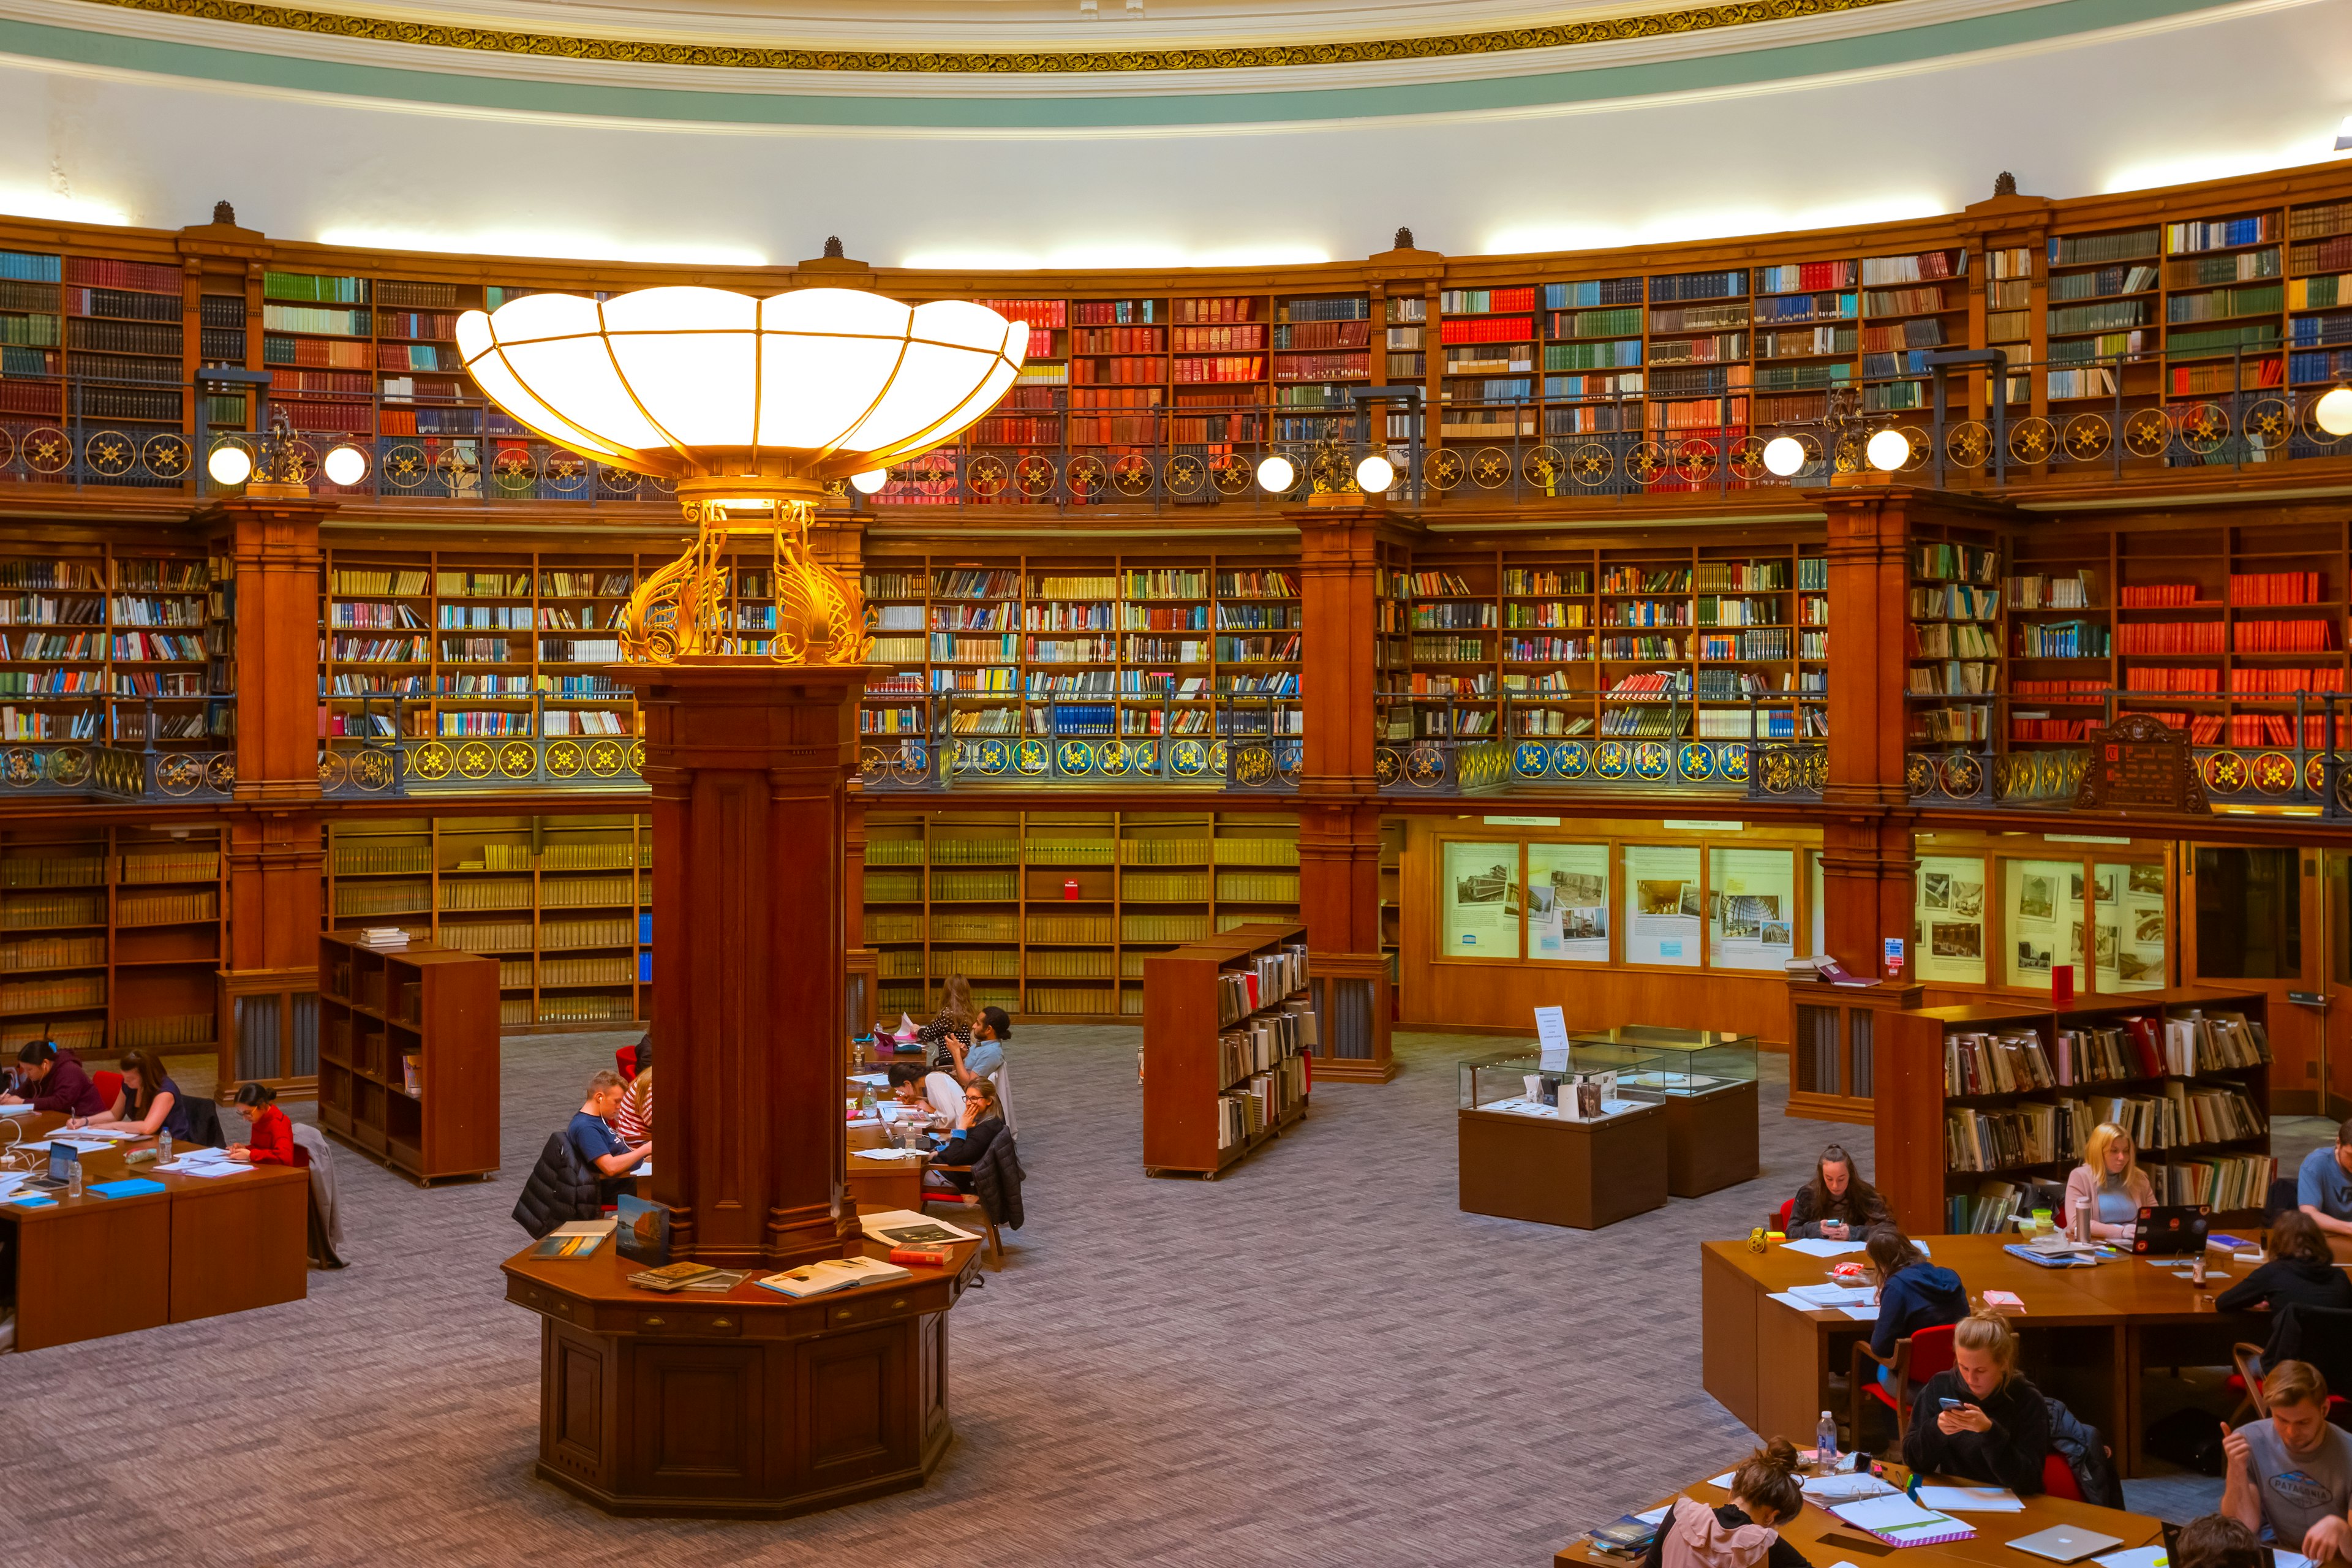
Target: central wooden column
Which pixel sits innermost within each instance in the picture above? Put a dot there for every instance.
(749, 764)
(1867, 861)
(1338, 811)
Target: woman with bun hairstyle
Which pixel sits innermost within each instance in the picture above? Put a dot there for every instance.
(1743, 1533)
(1978, 1420)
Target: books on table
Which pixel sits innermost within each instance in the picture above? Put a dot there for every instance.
(559, 1245)
(905, 1228)
(1899, 1521)
(829, 1274)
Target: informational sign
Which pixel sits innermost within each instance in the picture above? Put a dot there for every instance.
(1551, 1038)
(1895, 955)
(2140, 763)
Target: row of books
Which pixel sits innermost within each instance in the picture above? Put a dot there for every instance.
(2141, 1046)
(1263, 1044)
(2226, 1184)
(59, 995)
(166, 908)
(1260, 1103)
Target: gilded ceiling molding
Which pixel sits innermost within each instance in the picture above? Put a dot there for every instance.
(1698, 19)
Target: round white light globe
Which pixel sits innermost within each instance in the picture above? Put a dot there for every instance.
(229, 465)
(1784, 455)
(1375, 474)
(1278, 473)
(1888, 450)
(871, 480)
(345, 466)
(2334, 412)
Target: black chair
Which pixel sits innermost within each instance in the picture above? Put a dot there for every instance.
(204, 1122)
(2322, 1336)
(2279, 1199)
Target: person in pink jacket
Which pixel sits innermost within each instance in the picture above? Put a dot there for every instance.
(1743, 1533)
(2108, 1189)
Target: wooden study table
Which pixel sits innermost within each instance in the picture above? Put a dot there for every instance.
(876, 1186)
(91, 1266)
(1823, 1537)
(2085, 1335)
(744, 1403)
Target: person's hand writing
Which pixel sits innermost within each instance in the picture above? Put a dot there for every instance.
(2328, 1538)
(2239, 1452)
(12, 1100)
(240, 1151)
(1967, 1418)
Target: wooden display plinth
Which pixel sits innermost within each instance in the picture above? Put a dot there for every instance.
(1581, 1175)
(742, 1405)
(1712, 1140)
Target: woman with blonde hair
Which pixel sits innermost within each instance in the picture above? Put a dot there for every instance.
(2108, 1189)
(955, 1015)
(1979, 1420)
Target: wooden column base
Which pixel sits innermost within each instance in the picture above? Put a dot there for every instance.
(745, 1405)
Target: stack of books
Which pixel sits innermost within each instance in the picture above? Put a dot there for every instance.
(384, 937)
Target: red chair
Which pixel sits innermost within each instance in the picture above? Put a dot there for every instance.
(1788, 1207)
(1917, 1358)
(110, 1084)
(2058, 1478)
(625, 1058)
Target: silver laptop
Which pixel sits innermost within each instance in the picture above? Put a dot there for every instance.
(2065, 1543)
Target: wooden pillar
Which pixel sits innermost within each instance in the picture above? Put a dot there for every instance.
(1338, 810)
(1867, 862)
(275, 854)
(749, 765)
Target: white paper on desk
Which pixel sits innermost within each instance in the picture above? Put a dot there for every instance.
(1789, 1299)
(1971, 1499)
(871, 1079)
(1861, 1314)
(16, 1110)
(2134, 1557)
(113, 1133)
(1846, 1486)
(1891, 1512)
(1656, 1515)
(2284, 1559)
(1725, 1479)
(11, 1180)
(220, 1168)
(883, 1153)
(1823, 1249)
(1835, 1295)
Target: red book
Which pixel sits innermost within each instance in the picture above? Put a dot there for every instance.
(2142, 1031)
(919, 1257)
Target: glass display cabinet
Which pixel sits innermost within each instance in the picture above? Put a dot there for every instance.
(1521, 1158)
(1706, 1081)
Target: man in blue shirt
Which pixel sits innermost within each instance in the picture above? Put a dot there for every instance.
(986, 1053)
(600, 1148)
(2322, 1187)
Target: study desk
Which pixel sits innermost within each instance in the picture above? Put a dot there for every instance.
(744, 1403)
(91, 1266)
(876, 1186)
(2085, 1336)
(1825, 1539)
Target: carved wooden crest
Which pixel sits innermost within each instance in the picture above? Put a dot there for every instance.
(2139, 763)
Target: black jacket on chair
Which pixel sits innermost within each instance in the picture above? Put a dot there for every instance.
(560, 1190)
(996, 1177)
(204, 1122)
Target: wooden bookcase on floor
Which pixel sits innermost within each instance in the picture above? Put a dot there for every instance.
(1922, 1112)
(1189, 1070)
(408, 1056)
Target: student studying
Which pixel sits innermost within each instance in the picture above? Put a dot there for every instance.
(1979, 1419)
(2290, 1472)
(2322, 1184)
(1837, 1204)
(53, 1080)
(600, 1148)
(272, 1142)
(1744, 1531)
(1913, 1293)
(2106, 1192)
(148, 1102)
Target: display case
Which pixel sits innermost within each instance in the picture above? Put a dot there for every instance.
(1706, 1081)
(1520, 1158)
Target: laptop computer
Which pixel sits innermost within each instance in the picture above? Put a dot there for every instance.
(2066, 1543)
(63, 1158)
(2174, 1230)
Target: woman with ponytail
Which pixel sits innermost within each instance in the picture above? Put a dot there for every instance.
(1979, 1420)
(1743, 1533)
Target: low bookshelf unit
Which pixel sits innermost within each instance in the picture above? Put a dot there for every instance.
(1977, 1105)
(1227, 1027)
(408, 1056)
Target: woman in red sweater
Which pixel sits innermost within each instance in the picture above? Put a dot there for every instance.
(272, 1142)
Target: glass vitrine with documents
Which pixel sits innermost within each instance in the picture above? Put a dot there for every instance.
(1655, 1063)
(1526, 1082)
(1541, 1142)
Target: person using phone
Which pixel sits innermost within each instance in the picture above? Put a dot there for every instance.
(2290, 1472)
(1979, 1419)
(1837, 1204)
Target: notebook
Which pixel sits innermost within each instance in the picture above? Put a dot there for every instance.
(833, 1274)
(1899, 1521)
(2065, 1543)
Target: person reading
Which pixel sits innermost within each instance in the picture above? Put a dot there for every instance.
(1744, 1531)
(2108, 1189)
(148, 1102)
(1913, 1294)
(599, 1147)
(53, 1080)
(921, 1099)
(2322, 1185)
(1979, 1419)
(2299, 1271)
(2290, 1472)
(272, 1139)
(1837, 1204)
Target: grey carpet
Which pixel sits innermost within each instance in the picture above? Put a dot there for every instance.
(1318, 1360)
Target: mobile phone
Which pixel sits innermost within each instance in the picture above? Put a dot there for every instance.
(1952, 1404)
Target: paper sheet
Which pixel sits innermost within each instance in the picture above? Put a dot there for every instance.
(1861, 1314)
(218, 1168)
(883, 1153)
(1819, 1248)
(1835, 1295)
(2134, 1557)
(1724, 1481)
(1656, 1515)
(1891, 1512)
(1786, 1299)
(1971, 1499)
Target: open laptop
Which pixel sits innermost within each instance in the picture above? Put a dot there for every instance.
(2175, 1230)
(2066, 1543)
(63, 1158)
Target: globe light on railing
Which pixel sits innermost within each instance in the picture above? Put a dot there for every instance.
(1375, 474)
(2333, 412)
(1783, 455)
(871, 480)
(1888, 450)
(229, 465)
(1278, 474)
(345, 465)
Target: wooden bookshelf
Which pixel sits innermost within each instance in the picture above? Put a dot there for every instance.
(1914, 1103)
(91, 635)
(408, 1056)
(562, 903)
(1187, 1084)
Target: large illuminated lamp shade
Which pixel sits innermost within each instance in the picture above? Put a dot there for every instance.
(2333, 412)
(751, 407)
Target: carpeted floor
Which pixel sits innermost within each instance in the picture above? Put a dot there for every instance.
(1317, 1360)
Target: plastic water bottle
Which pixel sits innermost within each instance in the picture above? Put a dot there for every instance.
(163, 1146)
(1825, 1448)
(73, 1179)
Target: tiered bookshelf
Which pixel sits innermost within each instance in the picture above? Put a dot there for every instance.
(1593, 347)
(2319, 294)
(2057, 601)
(1207, 1101)
(1931, 1114)
(1953, 671)
(1808, 338)
(561, 903)
(2224, 305)
(989, 895)
(32, 337)
(1119, 375)
(1912, 305)
(90, 634)
(110, 938)
(124, 346)
(408, 1056)
(1699, 374)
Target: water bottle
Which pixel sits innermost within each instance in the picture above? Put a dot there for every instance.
(73, 1179)
(1825, 1448)
(164, 1147)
